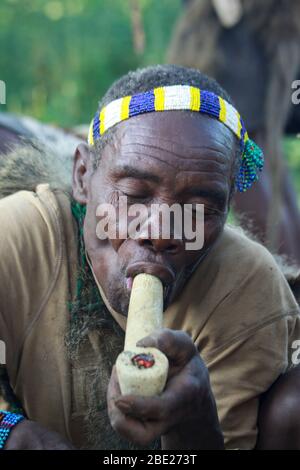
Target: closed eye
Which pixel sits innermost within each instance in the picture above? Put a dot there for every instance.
(196, 207)
(135, 197)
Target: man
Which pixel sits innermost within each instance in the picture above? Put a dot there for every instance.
(230, 318)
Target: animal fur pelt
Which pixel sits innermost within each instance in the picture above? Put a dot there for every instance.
(30, 164)
(28, 129)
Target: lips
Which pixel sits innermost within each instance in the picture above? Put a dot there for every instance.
(159, 270)
(165, 274)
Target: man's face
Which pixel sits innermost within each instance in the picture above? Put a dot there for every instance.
(170, 157)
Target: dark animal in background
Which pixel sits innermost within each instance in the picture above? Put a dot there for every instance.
(256, 60)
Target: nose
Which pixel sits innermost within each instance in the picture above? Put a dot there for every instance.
(172, 246)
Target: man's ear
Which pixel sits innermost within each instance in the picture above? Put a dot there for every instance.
(82, 172)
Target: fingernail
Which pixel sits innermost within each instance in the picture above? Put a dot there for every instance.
(145, 342)
(124, 406)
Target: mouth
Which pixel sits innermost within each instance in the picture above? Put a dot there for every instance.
(165, 274)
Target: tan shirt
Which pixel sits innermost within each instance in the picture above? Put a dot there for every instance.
(237, 307)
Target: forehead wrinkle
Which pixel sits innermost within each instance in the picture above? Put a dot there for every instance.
(226, 142)
(148, 135)
(151, 156)
(130, 144)
(221, 166)
(179, 144)
(215, 172)
(217, 155)
(156, 153)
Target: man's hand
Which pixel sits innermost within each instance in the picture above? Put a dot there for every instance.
(29, 435)
(184, 415)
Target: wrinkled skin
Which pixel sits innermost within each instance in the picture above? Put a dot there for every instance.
(160, 158)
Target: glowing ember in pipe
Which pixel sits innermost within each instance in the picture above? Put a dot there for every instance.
(143, 361)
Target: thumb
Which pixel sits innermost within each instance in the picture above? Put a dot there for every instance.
(176, 345)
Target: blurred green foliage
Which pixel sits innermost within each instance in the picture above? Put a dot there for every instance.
(292, 152)
(59, 56)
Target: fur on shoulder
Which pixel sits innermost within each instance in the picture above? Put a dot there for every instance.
(30, 164)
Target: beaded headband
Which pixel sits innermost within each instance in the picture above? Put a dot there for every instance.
(184, 97)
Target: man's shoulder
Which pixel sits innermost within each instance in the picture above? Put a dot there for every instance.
(236, 290)
(31, 217)
(237, 261)
(247, 267)
(32, 247)
(235, 242)
(253, 292)
(238, 257)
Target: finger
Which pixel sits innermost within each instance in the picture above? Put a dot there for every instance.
(116, 414)
(130, 428)
(165, 409)
(145, 408)
(141, 408)
(176, 345)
